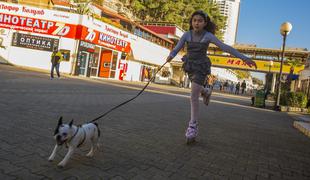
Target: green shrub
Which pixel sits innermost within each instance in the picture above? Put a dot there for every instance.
(293, 99)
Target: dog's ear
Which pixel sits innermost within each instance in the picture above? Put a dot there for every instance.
(71, 122)
(60, 121)
(57, 128)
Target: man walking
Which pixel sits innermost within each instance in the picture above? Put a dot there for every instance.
(56, 58)
(243, 86)
(237, 88)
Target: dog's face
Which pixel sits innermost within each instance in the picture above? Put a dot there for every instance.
(63, 132)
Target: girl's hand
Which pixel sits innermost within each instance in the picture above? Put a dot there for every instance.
(250, 62)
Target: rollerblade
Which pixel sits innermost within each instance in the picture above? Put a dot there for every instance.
(206, 95)
(191, 133)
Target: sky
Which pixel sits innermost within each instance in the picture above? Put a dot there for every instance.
(260, 21)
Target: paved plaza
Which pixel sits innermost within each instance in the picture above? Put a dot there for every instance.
(145, 138)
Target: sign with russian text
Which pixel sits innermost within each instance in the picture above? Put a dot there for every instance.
(104, 39)
(34, 42)
(35, 25)
(263, 66)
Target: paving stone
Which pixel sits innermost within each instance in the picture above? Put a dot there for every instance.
(145, 138)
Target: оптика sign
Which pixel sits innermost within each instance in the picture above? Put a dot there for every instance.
(34, 42)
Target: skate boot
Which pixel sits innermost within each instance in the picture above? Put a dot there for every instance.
(206, 95)
(191, 133)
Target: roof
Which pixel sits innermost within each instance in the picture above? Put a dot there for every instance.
(61, 2)
(113, 14)
(267, 51)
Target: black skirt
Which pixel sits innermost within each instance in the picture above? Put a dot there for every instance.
(197, 70)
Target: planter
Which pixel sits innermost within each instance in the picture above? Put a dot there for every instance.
(284, 108)
(291, 109)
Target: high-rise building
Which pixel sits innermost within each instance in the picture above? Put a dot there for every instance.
(230, 9)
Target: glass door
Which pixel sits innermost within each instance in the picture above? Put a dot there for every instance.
(83, 61)
(113, 64)
(93, 62)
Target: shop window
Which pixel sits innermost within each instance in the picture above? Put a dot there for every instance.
(65, 54)
(124, 55)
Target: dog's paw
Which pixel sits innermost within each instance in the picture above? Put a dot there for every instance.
(90, 154)
(61, 165)
(50, 159)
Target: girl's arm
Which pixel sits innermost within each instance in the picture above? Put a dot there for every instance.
(178, 47)
(231, 50)
(227, 48)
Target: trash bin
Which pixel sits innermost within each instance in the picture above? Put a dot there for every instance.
(259, 98)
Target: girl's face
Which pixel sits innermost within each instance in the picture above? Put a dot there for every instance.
(198, 23)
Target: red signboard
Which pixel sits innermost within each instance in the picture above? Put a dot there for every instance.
(104, 39)
(54, 28)
(37, 25)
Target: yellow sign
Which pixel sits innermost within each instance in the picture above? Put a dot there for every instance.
(264, 66)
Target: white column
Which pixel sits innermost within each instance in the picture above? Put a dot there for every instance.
(273, 83)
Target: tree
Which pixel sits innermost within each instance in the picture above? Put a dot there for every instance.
(82, 6)
(175, 11)
(293, 63)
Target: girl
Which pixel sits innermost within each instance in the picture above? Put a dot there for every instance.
(198, 65)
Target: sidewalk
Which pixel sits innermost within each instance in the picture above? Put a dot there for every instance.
(136, 84)
(302, 123)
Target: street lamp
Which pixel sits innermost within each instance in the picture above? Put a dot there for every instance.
(284, 30)
(270, 65)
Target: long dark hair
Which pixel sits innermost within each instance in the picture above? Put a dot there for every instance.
(210, 27)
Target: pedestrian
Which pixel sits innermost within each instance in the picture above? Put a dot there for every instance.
(226, 85)
(243, 86)
(237, 88)
(197, 65)
(56, 58)
(232, 87)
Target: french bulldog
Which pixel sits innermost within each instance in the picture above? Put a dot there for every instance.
(73, 137)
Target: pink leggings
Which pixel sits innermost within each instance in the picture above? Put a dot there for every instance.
(196, 91)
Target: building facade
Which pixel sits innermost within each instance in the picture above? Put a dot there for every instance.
(91, 47)
(230, 9)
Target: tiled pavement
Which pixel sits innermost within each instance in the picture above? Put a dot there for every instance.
(144, 139)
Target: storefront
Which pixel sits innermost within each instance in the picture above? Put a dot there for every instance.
(29, 35)
(90, 47)
(98, 61)
(85, 59)
(108, 58)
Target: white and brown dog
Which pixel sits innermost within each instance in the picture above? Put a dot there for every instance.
(74, 137)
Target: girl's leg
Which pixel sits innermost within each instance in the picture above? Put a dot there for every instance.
(192, 129)
(195, 92)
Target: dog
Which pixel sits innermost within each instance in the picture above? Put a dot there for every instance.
(73, 137)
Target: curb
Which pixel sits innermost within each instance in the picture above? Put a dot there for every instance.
(304, 127)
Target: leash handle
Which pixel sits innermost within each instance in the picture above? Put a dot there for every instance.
(130, 98)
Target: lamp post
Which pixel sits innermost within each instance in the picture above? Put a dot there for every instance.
(284, 30)
(270, 65)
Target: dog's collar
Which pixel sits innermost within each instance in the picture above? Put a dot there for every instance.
(68, 141)
(83, 138)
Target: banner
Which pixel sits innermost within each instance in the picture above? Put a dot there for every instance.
(263, 66)
(104, 39)
(34, 42)
(35, 25)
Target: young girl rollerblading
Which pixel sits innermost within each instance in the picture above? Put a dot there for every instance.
(197, 65)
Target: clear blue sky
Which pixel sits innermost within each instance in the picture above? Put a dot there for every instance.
(260, 21)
